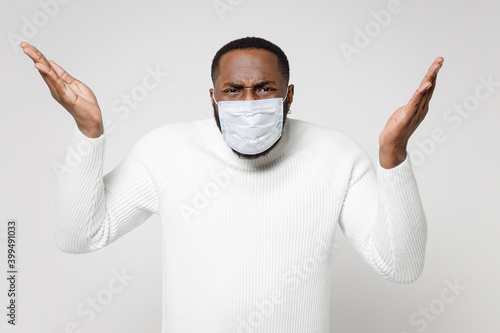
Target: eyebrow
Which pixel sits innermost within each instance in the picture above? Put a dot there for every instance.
(257, 85)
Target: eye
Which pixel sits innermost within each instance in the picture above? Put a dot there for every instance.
(230, 90)
(267, 89)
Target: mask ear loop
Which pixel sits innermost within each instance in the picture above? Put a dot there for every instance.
(213, 97)
(286, 95)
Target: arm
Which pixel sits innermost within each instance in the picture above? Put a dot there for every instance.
(91, 210)
(383, 217)
(382, 214)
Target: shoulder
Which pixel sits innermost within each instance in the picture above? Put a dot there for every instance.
(332, 151)
(174, 130)
(321, 140)
(169, 138)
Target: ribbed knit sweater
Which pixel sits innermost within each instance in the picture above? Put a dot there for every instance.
(246, 243)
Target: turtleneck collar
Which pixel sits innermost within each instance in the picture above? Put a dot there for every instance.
(225, 152)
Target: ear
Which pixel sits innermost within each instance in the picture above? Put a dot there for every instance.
(291, 89)
(211, 96)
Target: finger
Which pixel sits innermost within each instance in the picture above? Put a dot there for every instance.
(62, 95)
(35, 55)
(434, 79)
(412, 106)
(426, 86)
(23, 45)
(62, 73)
(48, 81)
(43, 65)
(43, 70)
(436, 65)
(51, 74)
(428, 94)
(424, 107)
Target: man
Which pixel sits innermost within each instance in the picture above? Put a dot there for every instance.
(249, 216)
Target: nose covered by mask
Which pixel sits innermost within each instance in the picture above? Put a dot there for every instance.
(251, 127)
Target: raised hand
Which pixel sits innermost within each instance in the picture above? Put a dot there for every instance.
(394, 138)
(72, 94)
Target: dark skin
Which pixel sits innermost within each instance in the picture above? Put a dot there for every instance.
(71, 93)
(247, 75)
(244, 74)
(404, 121)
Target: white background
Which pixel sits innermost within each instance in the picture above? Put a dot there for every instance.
(110, 44)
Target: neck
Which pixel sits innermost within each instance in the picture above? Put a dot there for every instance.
(263, 159)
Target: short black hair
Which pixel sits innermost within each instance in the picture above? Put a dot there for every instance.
(251, 43)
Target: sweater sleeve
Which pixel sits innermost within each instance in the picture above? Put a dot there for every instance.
(383, 217)
(93, 210)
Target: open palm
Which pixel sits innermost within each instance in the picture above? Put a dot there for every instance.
(71, 93)
(405, 120)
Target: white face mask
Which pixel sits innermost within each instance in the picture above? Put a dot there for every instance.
(251, 127)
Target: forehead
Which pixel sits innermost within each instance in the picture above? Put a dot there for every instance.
(249, 65)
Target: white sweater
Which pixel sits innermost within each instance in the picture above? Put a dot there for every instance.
(246, 243)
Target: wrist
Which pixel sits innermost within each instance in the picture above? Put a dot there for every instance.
(390, 157)
(93, 130)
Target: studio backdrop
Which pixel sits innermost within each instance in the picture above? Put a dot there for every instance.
(353, 63)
